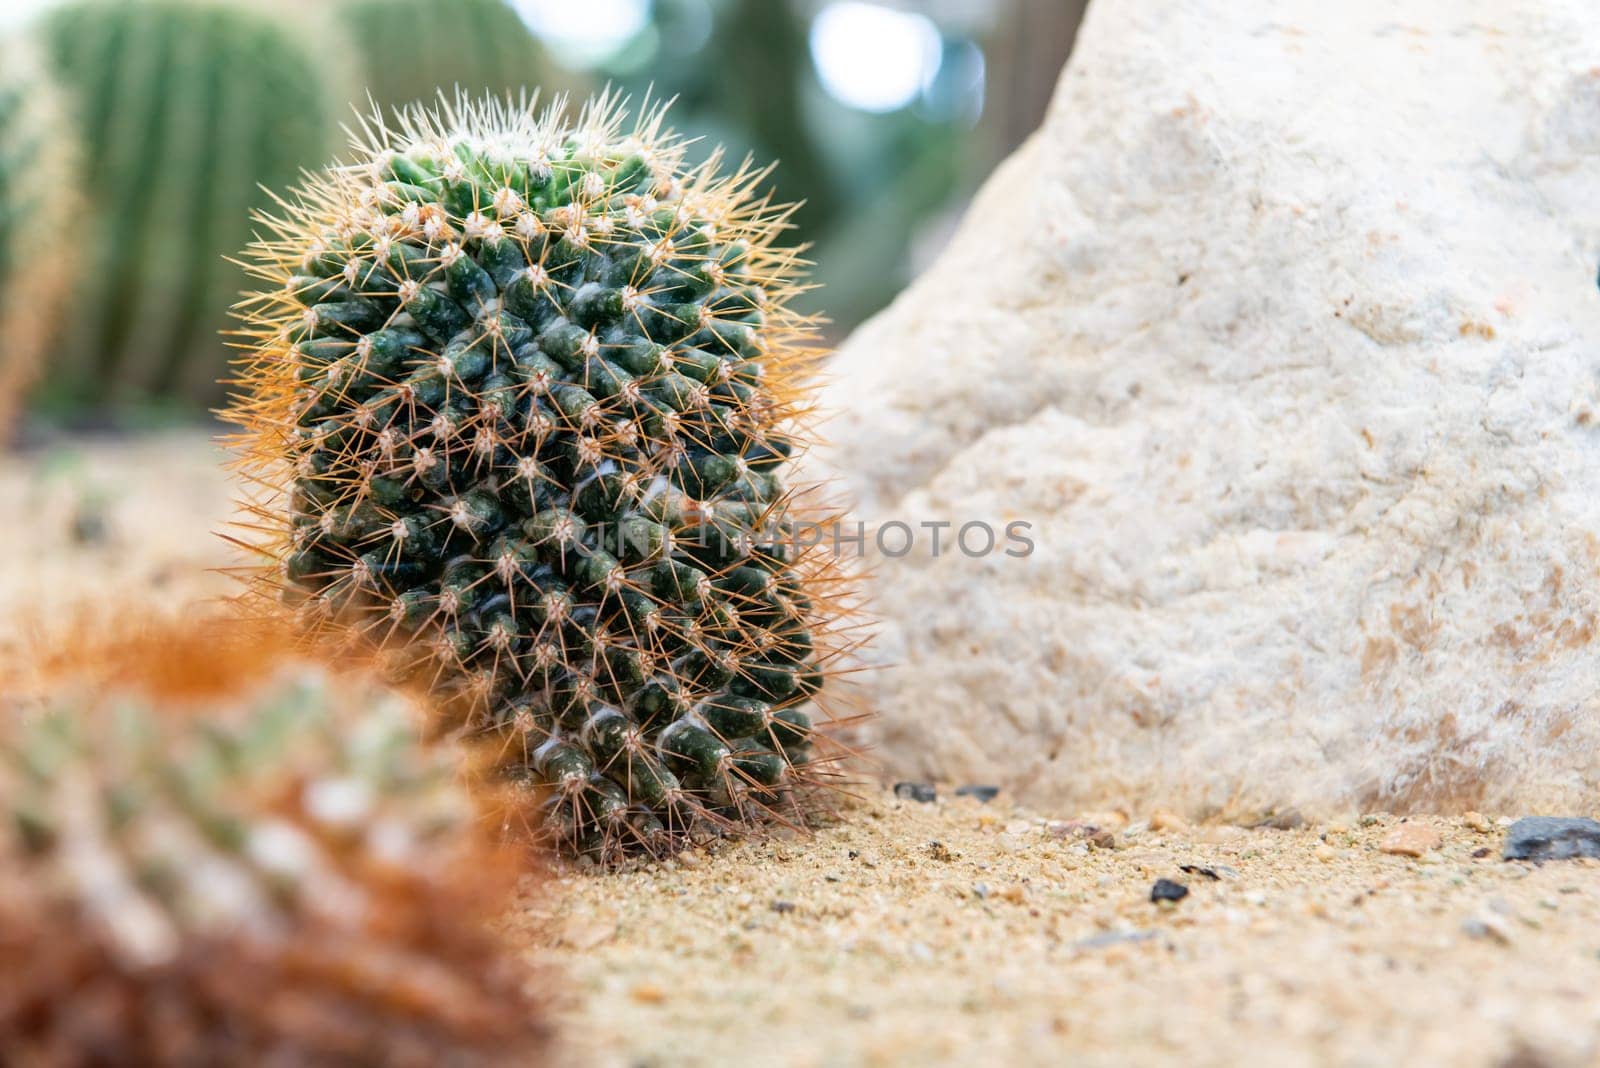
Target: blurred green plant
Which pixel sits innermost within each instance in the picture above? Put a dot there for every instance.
(413, 49)
(38, 207)
(743, 76)
(183, 106)
(185, 110)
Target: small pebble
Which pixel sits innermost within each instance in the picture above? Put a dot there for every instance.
(1115, 820)
(89, 527)
(1477, 822)
(1288, 820)
(1411, 840)
(1488, 925)
(649, 994)
(1115, 938)
(921, 792)
(1163, 820)
(1083, 829)
(982, 793)
(1326, 853)
(1552, 838)
(1210, 873)
(783, 907)
(1167, 890)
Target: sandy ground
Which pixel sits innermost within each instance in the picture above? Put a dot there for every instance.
(953, 932)
(97, 523)
(964, 933)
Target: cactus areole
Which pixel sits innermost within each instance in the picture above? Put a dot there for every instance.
(519, 393)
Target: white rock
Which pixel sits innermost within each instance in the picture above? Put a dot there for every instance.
(1283, 333)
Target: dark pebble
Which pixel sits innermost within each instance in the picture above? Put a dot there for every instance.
(1552, 838)
(916, 791)
(90, 527)
(1167, 890)
(1195, 869)
(982, 793)
(783, 906)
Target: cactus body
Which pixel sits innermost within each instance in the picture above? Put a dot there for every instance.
(38, 208)
(185, 107)
(413, 49)
(524, 389)
(221, 857)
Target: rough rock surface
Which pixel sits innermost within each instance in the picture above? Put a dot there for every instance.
(1283, 332)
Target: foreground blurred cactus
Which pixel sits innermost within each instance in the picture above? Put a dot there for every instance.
(184, 106)
(410, 50)
(38, 208)
(519, 396)
(211, 854)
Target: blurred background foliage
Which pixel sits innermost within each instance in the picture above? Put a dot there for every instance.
(884, 116)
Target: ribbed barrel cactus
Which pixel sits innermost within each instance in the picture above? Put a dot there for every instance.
(211, 854)
(186, 107)
(38, 214)
(519, 394)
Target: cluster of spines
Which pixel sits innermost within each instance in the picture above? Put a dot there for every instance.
(518, 396)
(184, 108)
(213, 853)
(38, 209)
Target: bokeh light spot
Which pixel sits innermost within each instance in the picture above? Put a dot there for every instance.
(585, 34)
(873, 57)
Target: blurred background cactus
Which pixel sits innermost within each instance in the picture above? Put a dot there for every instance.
(410, 50)
(38, 207)
(882, 113)
(183, 106)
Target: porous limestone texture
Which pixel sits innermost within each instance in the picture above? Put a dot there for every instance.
(1283, 333)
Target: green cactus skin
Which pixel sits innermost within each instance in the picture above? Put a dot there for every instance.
(38, 219)
(414, 49)
(275, 872)
(186, 107)
(524, 388)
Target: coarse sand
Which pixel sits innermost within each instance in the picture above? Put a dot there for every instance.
(965, 933)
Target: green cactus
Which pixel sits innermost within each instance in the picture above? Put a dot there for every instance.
(524, 389)
(413, 49)
(212, 856)
(38, 216)
(185, 107)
